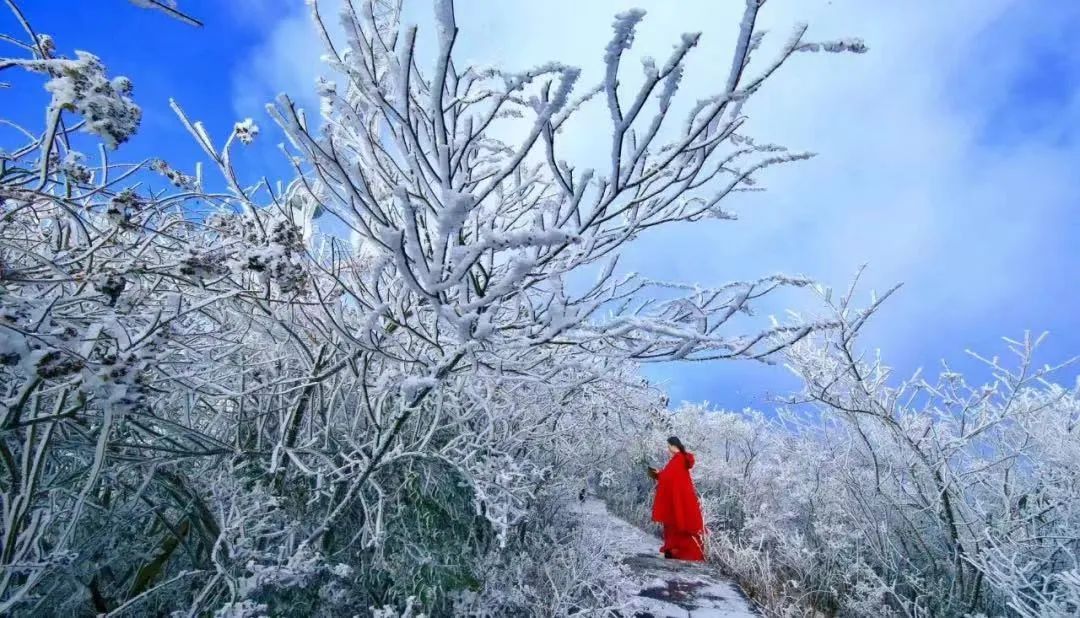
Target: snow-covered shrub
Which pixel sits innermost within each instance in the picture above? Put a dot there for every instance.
(553, 568)
(917, 498)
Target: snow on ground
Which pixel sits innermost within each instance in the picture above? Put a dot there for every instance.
(659, 588)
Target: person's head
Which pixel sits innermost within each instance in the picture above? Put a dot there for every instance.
(675, 445)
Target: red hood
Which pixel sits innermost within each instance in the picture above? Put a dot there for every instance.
(689, 458)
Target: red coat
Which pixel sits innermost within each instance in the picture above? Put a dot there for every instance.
(676, 506)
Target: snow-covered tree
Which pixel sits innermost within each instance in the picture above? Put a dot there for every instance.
(966, 492)
(211, 406)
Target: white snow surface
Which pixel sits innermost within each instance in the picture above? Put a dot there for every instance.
(659, 588)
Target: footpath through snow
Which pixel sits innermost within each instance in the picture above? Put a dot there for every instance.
(659, 588)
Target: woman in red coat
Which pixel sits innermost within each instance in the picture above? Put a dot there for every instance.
(676, 506)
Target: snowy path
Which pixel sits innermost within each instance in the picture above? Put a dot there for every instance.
(659, 588)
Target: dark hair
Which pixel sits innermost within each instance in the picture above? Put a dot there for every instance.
(677, 443)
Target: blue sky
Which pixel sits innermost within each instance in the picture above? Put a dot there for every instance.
(948, 155)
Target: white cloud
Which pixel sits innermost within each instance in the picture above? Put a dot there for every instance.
(286, 61)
